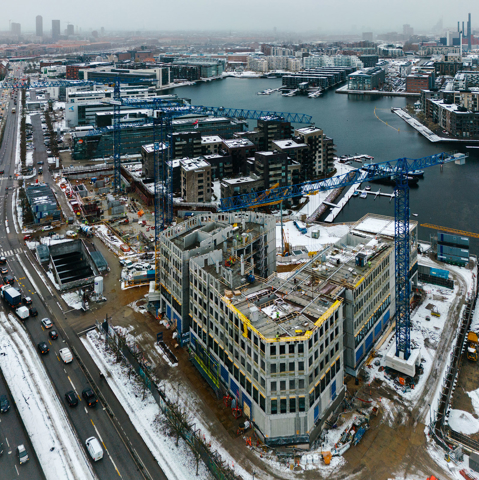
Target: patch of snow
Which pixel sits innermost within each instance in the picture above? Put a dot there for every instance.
(463, 422)
(52, 278)
(73, 300)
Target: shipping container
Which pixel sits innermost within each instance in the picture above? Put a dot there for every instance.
(449, 239)
(437, 272)
(452, 259)
(457, 252)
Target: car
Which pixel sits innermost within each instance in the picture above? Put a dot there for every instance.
(53, 334)
(3, 260)
(27, 237)
(48, 227)
(71, 398)
(26, 301)
(2, 172)
(89, 395)
(33, 311)
(22, 454)
(47, 323)
(43, 348)
(4, 270)
(4, 404)
(8, 279)
(40, 162)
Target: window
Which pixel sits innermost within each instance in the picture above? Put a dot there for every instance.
(301, 366)
(273, 368)
(291, 349)
(273, 386)
(292, 404)
(291, 366)
(282, 367)
(301, 348)
(282, 404)
(292, 385)
(301, 383)
(274, 407)
(282, 349)
(302, 404)
(282, 385)
(262, 402)
(272, 350)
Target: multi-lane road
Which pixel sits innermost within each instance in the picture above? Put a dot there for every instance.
(118, 435)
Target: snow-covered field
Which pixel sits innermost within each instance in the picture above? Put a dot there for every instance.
(53, 439)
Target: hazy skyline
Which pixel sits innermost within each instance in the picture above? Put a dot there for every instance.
(346, 16)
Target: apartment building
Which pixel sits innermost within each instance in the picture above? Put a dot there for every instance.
(320, 156)
(195, 180)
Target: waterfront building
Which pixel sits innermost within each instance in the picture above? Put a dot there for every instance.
(275, 168)
(239, 150)
(186, 144)
(321, 156)
(298, 152)
(368, 79)
(158, 77)
(417, 82)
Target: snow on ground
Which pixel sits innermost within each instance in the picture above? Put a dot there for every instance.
(18, 218)
(52, 278)
(29, 158)
(177, 462)
(327, 235)
(53, 241)
(136, 308)
(73, 300)
(52, 436)
(108, 238)
(463, 422)
(425, 334)
(217, 190)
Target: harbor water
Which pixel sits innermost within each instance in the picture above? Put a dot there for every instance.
(447, 198)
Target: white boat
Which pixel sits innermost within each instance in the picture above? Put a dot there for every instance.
(363, 195)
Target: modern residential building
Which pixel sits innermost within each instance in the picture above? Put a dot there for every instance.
(158, 77)
(186, 144)
(276, 169)
(231, 187)
(298, 152)
(148, 156)
(221, 165)
(417, 82)
(211, 144)
(39, 26)
(240, 151)
(70, 30)
(368, 79)
(55, 30)
(321, 156)
(195, 180)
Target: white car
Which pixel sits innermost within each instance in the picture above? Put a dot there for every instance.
(48, 227)
(47, 323)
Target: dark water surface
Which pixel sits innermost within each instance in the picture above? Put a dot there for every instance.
(448, 198)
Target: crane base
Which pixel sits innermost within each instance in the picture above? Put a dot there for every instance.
(407, 367)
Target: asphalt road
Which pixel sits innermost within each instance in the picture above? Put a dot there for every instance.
(114, 433)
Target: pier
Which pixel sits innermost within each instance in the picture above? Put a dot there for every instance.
(335, 211)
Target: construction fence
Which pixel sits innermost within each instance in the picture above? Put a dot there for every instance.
(175, 417)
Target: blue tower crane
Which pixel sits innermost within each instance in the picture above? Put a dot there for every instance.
(397, 169)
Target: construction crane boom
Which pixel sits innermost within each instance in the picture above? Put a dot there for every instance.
(398, 169)
(451, 230)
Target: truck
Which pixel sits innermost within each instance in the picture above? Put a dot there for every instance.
(12, 296)
(22, 313)
(472, 341)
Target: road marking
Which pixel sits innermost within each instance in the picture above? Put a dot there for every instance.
(16, 470)
(6, 440)
(58, 358)
(106, 449)
(74, 388)
(86, 411)
(49, 342)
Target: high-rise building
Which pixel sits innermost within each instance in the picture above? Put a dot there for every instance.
(469, 32)
(368, 36)
(70, 29)
(39, 25)
(55, 30)
(16, 28)
(407, 31)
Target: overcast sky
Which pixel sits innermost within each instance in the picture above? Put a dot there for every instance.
(323, 16)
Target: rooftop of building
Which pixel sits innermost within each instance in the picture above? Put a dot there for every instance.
(288, 144)
(211, 139)
(190, 164)
(150, 148)
(238, 143)
(307, 130)
(240, 180)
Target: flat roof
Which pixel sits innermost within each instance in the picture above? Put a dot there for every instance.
(238, 143)
(189, 164)
(211, 139)
(288, 144)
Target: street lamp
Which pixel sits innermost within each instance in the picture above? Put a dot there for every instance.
(254, 473)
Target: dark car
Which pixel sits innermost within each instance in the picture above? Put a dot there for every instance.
(3, 260)
(33, 311)
(8, 279)
(89, 395)
(26, 300)
(43, 348)
(53, 334)
(2, 172)
(71, 398)
(40, 162)
(4, 404)
(4, 270)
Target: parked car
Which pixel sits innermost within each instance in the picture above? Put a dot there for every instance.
(27, 237)
(4, 404)
(48, 227)
(47, 323)
(43, 348)
(71, 398)
(89, 395)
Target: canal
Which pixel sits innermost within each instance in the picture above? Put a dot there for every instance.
(447, 198)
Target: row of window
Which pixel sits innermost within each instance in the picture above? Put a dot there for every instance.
(322, 384)
(372, 321)
(296, 404)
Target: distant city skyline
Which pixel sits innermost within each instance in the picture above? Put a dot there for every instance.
(251, 15)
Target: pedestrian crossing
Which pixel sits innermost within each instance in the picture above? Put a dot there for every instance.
(9, 253)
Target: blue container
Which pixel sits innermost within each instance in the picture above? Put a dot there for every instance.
(456, 251)
(452, 239)
(437, 272)
(452, 259)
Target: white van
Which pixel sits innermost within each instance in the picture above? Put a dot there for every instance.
(66, 355)
(94, 448)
